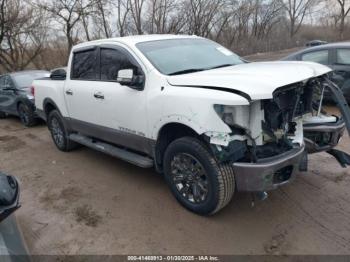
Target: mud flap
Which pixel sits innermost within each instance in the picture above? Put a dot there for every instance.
(342, 157)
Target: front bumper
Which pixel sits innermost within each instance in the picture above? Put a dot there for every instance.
(269, 173)
(322, 137)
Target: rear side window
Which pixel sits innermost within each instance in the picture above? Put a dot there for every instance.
(317, 57)
(84, 65)
(113, 60)
(2, 82)
(343, 56)
(5, 81)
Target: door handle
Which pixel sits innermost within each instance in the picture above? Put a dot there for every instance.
(69, 92)
(99, 95)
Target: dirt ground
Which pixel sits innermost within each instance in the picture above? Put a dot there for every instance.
(85, 202)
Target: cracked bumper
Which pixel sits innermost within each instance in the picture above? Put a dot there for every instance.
(330, 132)
(269, 173)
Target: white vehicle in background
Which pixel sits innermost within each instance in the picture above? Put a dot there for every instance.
(212, 123)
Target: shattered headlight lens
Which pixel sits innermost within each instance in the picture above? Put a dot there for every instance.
(234, 115)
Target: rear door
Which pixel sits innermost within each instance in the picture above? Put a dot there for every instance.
(79, 90)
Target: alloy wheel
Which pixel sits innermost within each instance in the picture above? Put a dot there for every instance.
(190, 178)
(57, 132)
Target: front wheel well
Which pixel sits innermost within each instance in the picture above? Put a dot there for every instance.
(167, 134)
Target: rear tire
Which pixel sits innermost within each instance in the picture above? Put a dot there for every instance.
(196, 180)
(26, 115)
(59, 132)
(2, 115)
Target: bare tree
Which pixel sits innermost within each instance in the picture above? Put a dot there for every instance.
(266, 14)
(137, 9)
(343, 13)
(101, 14)
(22, 34)
(163, 17)
(201, 15)
(123, 11)
(68, 13)
(296, 12)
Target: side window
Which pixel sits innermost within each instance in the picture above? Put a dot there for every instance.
(2, 82)
(8, 82)
(84, 65)
(343, 56)
(5, 81)
(317, 57)
(113, 60)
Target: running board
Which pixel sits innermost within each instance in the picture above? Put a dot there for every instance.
(109, 149)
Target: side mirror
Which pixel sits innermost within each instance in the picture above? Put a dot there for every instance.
(127, 77)
(9, 195)
(59, 74)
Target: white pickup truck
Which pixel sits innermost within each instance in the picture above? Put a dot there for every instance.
(209, 121)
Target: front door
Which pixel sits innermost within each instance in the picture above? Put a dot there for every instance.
(123, 109)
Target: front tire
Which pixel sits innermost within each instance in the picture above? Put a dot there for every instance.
(26, 115)
(59, 132)
(195, 178)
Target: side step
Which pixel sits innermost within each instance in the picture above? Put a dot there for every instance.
(123, 154)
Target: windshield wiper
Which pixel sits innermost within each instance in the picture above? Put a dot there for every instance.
(187, 71)
(193, 70)
(219, 66)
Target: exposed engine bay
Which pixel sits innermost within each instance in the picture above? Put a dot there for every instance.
(268, 128)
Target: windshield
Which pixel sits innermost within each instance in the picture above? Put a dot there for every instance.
(180, 56)
(25, 80)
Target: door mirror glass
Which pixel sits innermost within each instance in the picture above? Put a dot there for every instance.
(125, 76)
(9, 195)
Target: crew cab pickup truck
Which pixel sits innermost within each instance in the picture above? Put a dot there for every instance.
(209, 121)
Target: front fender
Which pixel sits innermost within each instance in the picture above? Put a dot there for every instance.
(193, 107)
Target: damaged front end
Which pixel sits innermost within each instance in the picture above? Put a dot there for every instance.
(266, 146)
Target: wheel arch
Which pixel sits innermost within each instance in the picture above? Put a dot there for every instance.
(167, 134)
(48, 106)
(21, 100)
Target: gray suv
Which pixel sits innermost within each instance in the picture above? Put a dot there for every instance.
(336, 56)
(17, 95)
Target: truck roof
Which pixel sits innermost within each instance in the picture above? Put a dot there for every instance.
(134, 39)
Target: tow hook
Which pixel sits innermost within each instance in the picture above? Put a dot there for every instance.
(260, 196)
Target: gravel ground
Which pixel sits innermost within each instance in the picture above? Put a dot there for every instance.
(85, 202)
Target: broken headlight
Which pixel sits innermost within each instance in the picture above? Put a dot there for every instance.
(234, 115)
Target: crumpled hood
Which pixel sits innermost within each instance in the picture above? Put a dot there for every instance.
(258, 80)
